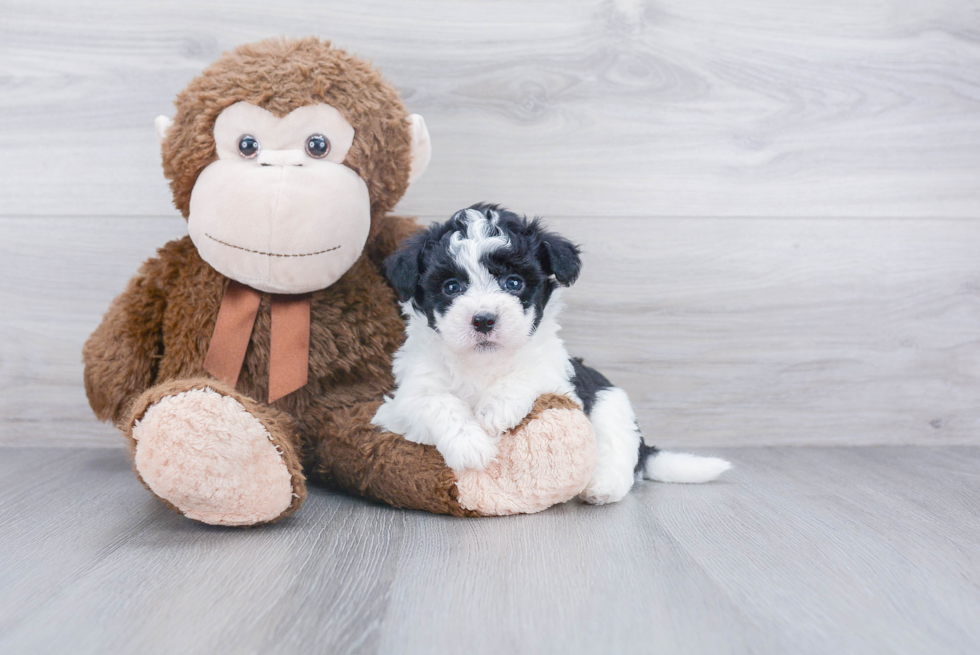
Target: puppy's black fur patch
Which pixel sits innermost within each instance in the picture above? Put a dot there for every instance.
(424, 262)
(588, 383)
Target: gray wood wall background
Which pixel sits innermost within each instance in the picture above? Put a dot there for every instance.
(778, 201)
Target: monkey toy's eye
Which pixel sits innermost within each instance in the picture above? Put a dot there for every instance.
(514, 283)
(452, 287)
(317, 146)
(248, 147)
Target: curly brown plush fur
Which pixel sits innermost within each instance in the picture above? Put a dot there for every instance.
(167, 314)
(154, 338)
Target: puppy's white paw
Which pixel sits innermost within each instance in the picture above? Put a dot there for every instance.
(470, 448)
(497, 414)
(608, 485)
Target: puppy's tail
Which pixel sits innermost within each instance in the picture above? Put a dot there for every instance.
(665, 466)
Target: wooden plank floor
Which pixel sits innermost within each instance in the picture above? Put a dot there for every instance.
(724, 331)
(797, 550)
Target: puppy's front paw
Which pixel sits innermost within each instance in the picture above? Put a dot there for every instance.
(498, 414)
(470, 448)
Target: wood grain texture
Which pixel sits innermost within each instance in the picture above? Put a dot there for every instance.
(723, 331)
(565, 107)
(623, 121)
(801, 550)
(763, 331)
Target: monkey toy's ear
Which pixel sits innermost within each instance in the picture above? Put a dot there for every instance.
(404, 267)
(421, 147)
(559, 256)
(162, 124)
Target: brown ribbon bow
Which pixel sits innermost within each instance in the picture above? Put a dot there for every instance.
(289, 340)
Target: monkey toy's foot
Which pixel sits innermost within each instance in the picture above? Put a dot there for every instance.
(206, 454)
(547, 459)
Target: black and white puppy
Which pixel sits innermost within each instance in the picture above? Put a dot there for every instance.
(481, 295)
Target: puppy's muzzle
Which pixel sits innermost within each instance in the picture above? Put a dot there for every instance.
(484, 322)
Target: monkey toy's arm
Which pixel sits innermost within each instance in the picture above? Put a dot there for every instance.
(121, 355)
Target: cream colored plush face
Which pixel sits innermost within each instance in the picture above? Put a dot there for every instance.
(282, 221)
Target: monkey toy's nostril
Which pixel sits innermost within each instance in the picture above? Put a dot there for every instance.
(483, 323)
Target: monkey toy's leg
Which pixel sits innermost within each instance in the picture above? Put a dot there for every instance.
(549, 458)
(215, 455)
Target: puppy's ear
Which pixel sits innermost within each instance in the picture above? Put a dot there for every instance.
(559, 257)
(404, 267)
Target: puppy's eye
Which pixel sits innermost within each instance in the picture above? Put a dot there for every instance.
(513, 283)
(248, 147)
(452, 287)
(317, 146)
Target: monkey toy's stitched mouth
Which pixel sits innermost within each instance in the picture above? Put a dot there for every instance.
(270, 254)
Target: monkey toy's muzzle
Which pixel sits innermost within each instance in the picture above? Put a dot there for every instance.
(281, 223)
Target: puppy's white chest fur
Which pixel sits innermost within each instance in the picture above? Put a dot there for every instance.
(441, 392)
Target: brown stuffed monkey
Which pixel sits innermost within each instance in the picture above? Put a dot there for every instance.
(252, 354)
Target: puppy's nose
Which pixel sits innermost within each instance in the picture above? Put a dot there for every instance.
(484, 322)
